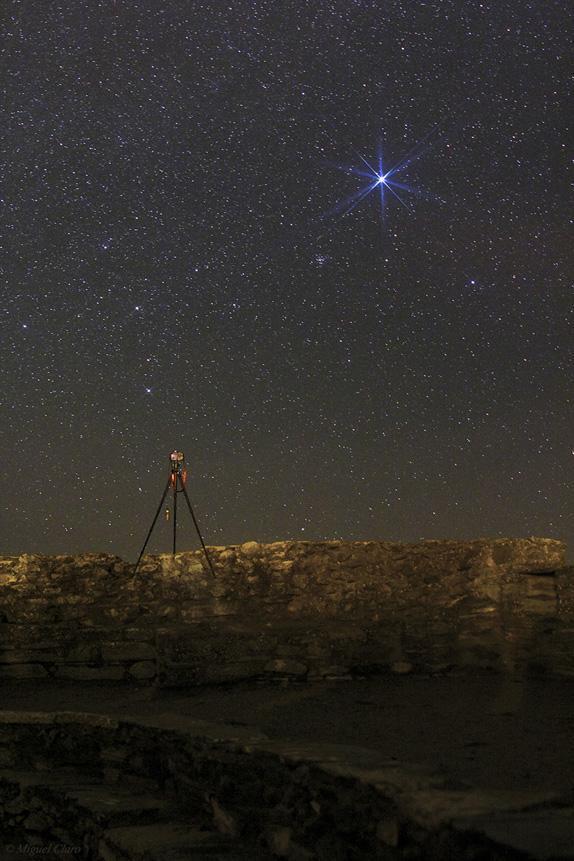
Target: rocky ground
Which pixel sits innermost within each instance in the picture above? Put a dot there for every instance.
(485, 730)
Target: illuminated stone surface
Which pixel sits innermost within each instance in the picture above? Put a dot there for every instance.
(290, 609)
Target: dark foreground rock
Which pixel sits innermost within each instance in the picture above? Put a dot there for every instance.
(109, 789)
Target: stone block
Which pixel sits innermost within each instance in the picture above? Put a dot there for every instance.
(37, 821)
(143, 670)
(335, 671)
(402, 667)
(279, 840)
(250, 549)
(388, 831)
(9, 757)
(127, 651)
(139, 634)
(210, 672)
(23, 671)
(83, 653)
(162, 841)
(26, 656)
(193, 568)
(288, 650)
(81, 673)
(286, 667)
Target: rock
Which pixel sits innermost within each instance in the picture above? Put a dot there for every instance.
(289, 667)
(335, 670)
(26, 656)
(402, 667)
(162, 840)
(23, 671)
(223, 821)
(279, 841)
(388, 831)
(37, 822)
(143, 670)
(88, 674)
(128, 652)
(84, 653)
(337, 677)
(8, 759)
(250, 549)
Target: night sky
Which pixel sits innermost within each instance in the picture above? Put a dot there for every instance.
(181, 267)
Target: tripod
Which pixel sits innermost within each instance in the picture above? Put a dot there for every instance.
(176, 480)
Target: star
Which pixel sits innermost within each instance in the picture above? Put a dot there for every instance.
(384, 178)
(321, 259)
(360, 351)
(378, 177)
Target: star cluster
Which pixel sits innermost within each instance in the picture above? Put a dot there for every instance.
(174, 275)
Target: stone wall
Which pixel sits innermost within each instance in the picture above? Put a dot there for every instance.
(66, 779)
(289, 610)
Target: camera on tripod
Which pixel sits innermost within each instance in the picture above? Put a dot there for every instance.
(178, 467)
(177, 459)
(176, 481)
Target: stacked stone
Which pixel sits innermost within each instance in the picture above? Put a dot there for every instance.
(289, 610)
(131, 790)
(66, 617)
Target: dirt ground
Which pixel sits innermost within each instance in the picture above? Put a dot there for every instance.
(485, 730)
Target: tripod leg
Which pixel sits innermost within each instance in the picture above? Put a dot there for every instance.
(175, 510)
(183, 487)
(153, 524)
